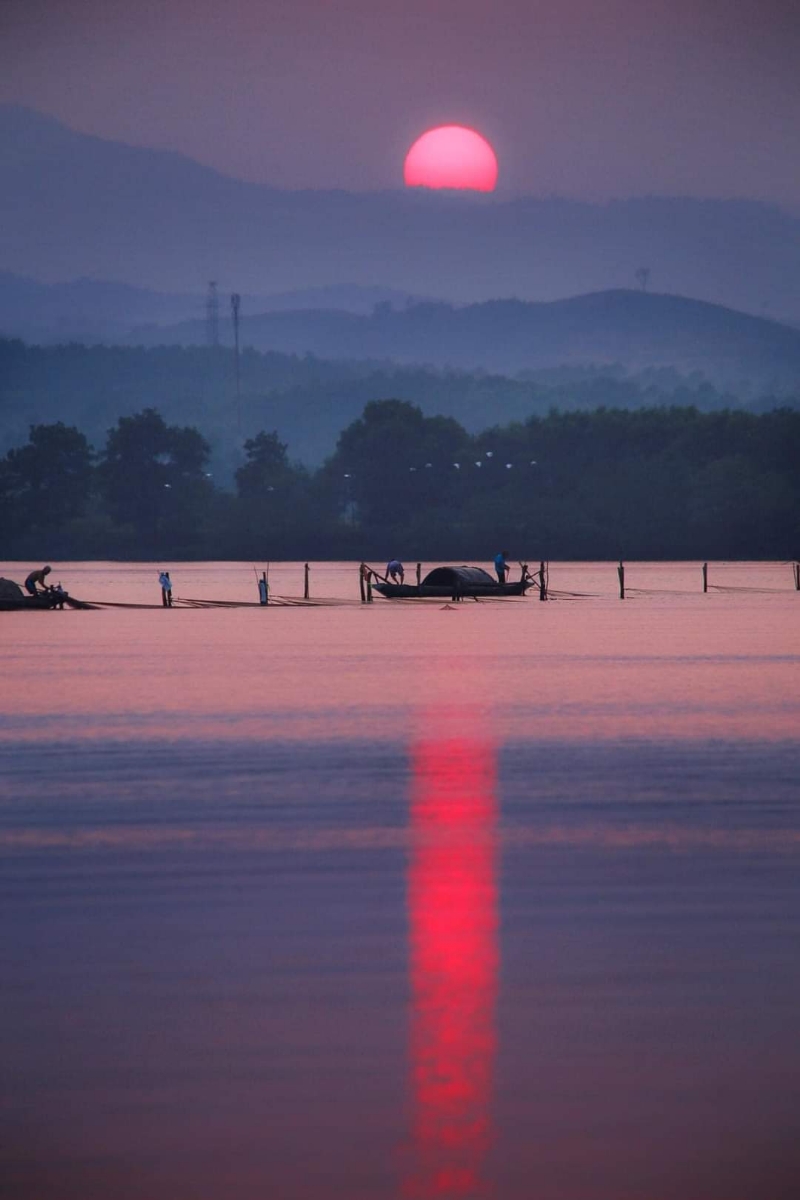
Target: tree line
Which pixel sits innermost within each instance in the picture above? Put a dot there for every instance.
(665, 482)
(309, 400)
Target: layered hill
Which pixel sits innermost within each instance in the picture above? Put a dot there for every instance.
(96, 310)
(73, 205)
(308, 400)
(635, 329)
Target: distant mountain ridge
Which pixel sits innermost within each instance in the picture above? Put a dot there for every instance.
(636, 329)
(74, 206)
(94, 310)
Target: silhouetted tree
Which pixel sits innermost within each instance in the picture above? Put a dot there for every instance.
(153, 478)
(277, 516)
(615, 481)
(47, 482)
(267, 466)
(394, 462)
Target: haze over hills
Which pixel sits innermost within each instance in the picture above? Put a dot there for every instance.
(94, 310)
(635, 329)
(74, 206)
(307, 400)
(333, 287)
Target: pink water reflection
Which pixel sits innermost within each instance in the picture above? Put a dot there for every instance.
(452, 900)
(663, 665)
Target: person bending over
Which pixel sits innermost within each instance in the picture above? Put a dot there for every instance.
(39, 577)
(395, 571)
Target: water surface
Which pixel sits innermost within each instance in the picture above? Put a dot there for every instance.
(497, 900)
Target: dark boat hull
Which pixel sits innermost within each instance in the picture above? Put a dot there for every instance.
(30, 604)
(409, 591)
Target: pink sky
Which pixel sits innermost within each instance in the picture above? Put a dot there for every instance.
(660, 96)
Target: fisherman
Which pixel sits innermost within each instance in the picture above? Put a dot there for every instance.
(501, 566)
(39, 577)
(395, 571)
(166, 589)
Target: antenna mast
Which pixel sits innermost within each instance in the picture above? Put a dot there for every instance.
(236, 301)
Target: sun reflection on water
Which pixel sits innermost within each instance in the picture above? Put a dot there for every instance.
(452, 900)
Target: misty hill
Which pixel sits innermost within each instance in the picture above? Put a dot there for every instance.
(93, 310)
(342, 297)
(73, 205)
(308, 401)
(635, 329)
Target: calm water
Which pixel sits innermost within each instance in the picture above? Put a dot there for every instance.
(373, 902)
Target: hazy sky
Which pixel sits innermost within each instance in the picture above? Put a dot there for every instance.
(588, 98)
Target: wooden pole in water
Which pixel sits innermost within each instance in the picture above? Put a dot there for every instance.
(361, 588)
(705, 577)
(264, 590)
(796, 567)
(369, 587)
(419, 574)
(621, 575)
(305, 583)
(542, 582)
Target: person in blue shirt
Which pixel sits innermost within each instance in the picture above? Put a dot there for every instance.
(501, 566)
(166, 589)
(395, 571)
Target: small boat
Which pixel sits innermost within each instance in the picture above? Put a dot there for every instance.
(13, 598)
(454, 583)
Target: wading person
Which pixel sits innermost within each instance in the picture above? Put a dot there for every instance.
(166, 589)
(39, 577)
(395, 571)
(501, 566)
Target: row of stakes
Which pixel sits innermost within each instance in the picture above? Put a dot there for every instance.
(366, 573)
(621, 577)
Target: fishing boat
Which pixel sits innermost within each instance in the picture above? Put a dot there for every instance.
(12, 598)
(454, 583)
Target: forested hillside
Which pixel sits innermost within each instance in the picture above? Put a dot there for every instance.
(633, 328)
(308, 401)
(609, 483)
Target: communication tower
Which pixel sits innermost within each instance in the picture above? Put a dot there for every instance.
(236, 301)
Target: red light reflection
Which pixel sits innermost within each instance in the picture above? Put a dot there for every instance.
(452, 899)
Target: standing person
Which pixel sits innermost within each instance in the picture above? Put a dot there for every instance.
(501, 566)
(166, 589)
(39, 577)
(395, 571)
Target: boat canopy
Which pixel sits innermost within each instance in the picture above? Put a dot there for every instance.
(10, 590)
(458, 576)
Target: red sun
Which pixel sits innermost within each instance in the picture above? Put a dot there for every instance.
(451, 156)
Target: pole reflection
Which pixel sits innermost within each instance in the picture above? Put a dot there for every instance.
(452, 900)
